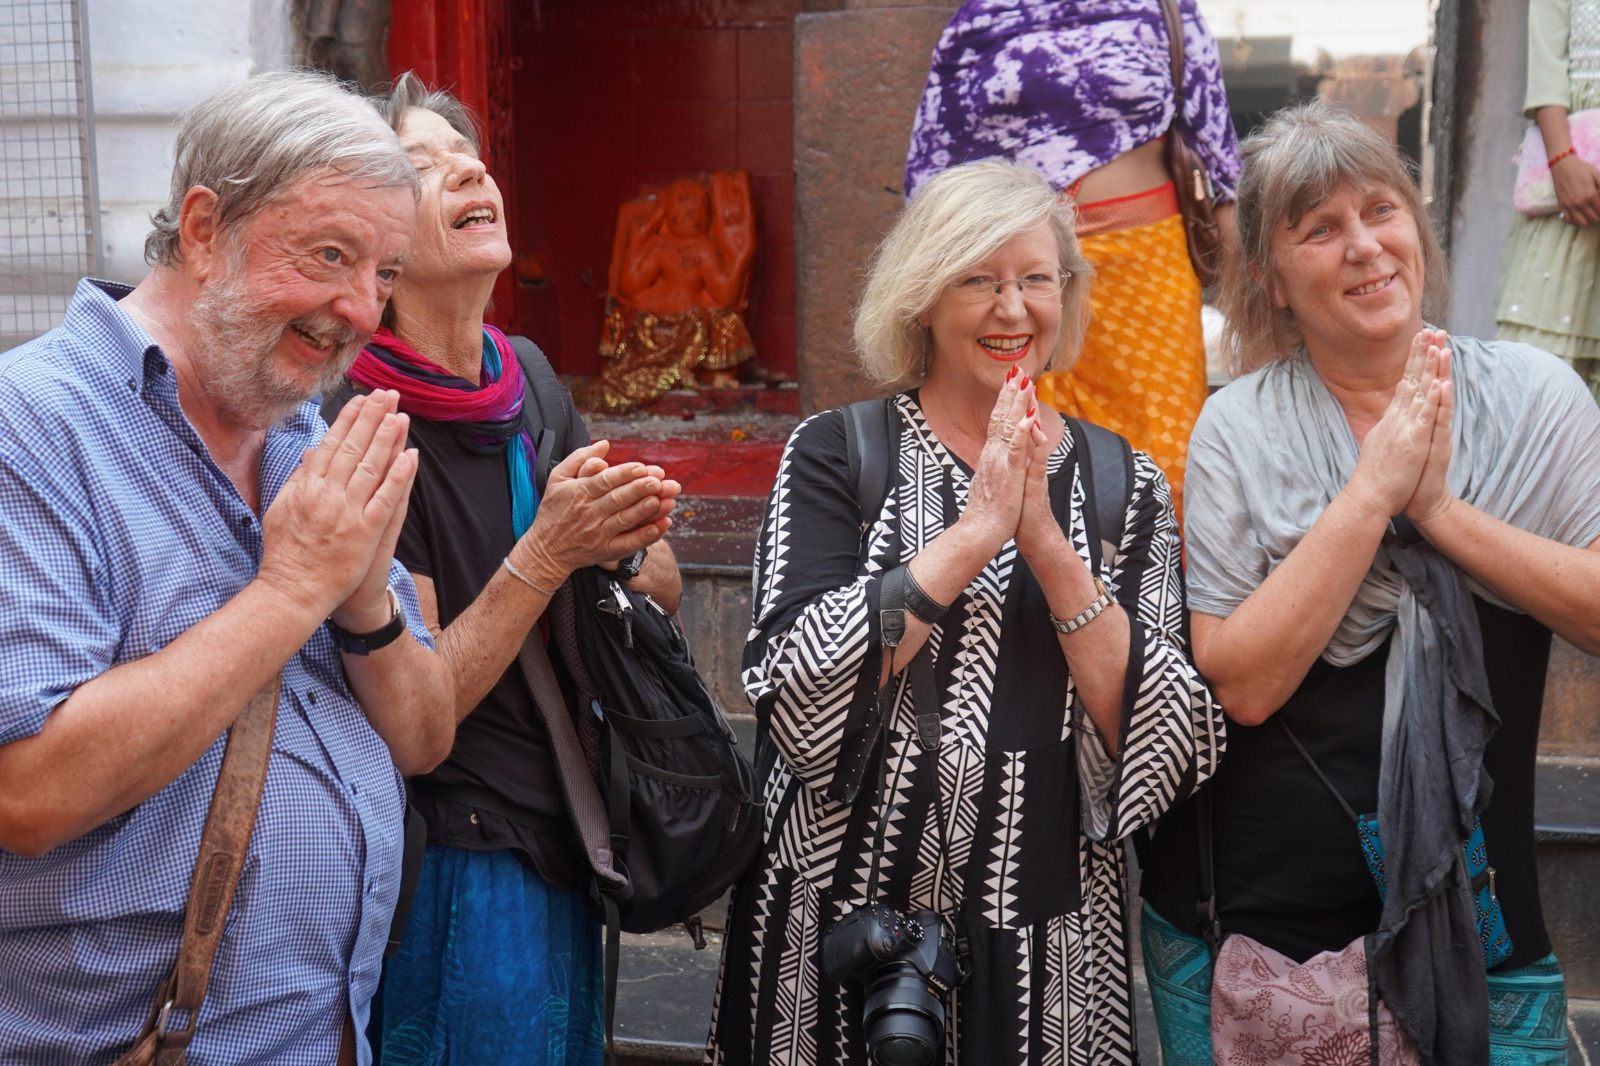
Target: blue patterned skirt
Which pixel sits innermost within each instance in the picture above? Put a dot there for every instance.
(496, 967)
(1527, 1006)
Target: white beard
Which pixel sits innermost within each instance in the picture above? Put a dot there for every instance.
(233, 345)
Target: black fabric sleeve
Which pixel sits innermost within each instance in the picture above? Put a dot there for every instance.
(813, 655)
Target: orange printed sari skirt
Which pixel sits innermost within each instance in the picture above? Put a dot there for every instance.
(1142, 371)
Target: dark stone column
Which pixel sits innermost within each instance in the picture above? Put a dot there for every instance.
(346, 38)
(859, 73)
(1571, 724)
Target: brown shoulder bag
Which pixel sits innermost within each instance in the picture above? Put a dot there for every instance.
(223, 843)
(1193, 185)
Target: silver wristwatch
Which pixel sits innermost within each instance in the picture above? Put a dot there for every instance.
(1088, 614)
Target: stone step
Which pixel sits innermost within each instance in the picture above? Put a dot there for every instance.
(781, 398)
(715, 535)
(1583, 1032)
(665, 990)
(1567, 825)
(727, 454)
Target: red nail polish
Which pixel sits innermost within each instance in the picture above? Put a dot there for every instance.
(1030, 410)
(1011, 373)
(1025, 380)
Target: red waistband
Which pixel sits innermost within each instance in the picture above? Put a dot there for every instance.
(1126, 212)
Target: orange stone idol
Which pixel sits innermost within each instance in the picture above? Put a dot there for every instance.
(680, 274)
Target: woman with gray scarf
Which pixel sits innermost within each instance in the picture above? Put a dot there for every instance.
(1385, 524)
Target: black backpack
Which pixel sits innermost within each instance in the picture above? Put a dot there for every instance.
(680, 820)
(679, 796)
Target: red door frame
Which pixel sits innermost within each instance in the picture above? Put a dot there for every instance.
(464, 46)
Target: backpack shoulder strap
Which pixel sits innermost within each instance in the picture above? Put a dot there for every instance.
(550, 413)
(1107, 470)
(872, 439)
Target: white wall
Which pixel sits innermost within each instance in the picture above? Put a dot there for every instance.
(1340, 27)
(150, 60)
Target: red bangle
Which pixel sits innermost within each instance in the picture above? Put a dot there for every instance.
(1560, 156)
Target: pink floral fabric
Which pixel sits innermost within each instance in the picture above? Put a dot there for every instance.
(1268, 1010)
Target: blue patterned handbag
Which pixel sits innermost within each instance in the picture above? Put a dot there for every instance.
(1493, 939)
(1491, 921)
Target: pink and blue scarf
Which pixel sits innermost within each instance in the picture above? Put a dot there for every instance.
(486, 417)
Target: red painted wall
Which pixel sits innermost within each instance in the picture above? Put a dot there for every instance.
(606, 97)
(461, 45)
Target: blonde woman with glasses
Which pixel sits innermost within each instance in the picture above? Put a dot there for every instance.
(964, 776)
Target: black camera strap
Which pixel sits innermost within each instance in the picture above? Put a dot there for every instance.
(886, 696)
(925, 701)
(892, 623)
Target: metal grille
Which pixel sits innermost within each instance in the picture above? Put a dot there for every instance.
(49, 217)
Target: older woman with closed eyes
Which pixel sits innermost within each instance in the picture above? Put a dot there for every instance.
(500, 959)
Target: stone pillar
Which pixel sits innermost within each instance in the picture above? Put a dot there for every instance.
(859, 73)
(1486, 125)
(1571, 724)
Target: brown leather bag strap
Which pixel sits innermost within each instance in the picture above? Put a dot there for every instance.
(223, 844)
(1174, 20)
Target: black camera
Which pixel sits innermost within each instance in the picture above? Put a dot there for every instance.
(907, 965)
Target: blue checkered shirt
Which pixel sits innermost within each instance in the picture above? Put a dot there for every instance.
(118, 533)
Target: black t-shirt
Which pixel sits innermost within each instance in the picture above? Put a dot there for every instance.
(1288, 868)
(457, 531)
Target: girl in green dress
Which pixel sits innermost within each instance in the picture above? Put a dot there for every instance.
(1547, 295)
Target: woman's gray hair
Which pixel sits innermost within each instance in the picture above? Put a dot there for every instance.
(409, 91)
(958, 219)
(1293, 164)
(252, 141)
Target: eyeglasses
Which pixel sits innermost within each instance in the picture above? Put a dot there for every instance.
(1040, 286)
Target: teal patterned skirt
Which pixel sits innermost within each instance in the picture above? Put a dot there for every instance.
(1527, 1006)
(496, 967)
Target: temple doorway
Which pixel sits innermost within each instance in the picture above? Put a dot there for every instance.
(588, 103)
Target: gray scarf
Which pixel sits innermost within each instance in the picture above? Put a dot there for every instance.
(1268, 454)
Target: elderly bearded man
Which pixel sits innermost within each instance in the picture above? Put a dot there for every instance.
(175, 531)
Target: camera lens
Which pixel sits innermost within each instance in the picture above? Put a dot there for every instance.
(904, 1018)
(903, 1049)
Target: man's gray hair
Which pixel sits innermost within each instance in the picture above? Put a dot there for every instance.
(251, 141)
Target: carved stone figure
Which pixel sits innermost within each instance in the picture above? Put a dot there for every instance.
(345, 38)
(680, 271)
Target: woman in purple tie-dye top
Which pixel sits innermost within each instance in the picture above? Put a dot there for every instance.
(1082, 91)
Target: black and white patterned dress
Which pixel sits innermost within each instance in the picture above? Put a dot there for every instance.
(1034, 804)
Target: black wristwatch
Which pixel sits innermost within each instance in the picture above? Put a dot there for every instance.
(629, 568)
(367, 643)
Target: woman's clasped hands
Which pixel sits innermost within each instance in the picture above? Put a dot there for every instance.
(593, 512)
(1406, 456)
(1009, 496)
